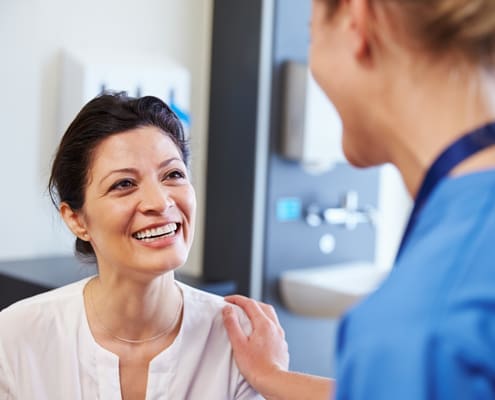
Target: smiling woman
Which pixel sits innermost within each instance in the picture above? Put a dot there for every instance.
(139, 204)
(120, 180)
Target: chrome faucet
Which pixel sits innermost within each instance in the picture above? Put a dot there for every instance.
(347, 214)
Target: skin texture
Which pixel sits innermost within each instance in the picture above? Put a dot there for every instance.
(136, 180)
(392, 96)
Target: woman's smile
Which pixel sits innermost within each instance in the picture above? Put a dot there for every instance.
(159, 237)
(151, 233)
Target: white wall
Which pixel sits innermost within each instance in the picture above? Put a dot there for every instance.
(32, 33)
(394, 204)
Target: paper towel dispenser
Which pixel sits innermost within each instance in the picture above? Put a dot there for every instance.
(87, 73)
(311, 128)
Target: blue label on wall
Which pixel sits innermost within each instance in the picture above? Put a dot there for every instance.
(289, 209)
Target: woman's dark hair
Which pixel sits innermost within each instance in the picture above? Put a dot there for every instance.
(105, 115)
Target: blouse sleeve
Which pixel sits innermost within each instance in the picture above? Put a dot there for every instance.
(244, 390)
(6, 380)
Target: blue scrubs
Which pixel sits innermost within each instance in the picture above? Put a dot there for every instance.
(429, 331)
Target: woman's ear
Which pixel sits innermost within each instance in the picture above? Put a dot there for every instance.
(360, 15)
(74, 221)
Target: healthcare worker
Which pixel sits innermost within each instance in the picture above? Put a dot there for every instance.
(414, 83)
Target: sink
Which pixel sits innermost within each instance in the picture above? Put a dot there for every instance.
(329, 291)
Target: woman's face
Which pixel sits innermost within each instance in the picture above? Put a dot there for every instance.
(333, 63)
(139, 209)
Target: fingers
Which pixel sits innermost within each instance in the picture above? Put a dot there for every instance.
(238, 299)
(233, 327)
(250, 307)
(255, 310)
(270, 312)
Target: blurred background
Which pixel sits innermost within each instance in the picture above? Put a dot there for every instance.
(281, 216)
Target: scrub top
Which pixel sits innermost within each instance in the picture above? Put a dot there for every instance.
(47, 352)
(429, 331)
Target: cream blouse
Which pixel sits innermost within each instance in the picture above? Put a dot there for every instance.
(47, 352)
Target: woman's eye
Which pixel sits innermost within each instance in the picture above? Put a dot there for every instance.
(122, 184)
(176, 174)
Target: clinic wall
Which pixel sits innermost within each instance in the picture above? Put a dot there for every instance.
(32, 34)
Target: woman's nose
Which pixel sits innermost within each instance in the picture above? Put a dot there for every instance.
(155, 198)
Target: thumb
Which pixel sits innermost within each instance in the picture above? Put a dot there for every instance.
(233, 327)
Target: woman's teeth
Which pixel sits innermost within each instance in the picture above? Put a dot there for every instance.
(149, 234)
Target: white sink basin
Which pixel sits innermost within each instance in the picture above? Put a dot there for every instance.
(328, 291)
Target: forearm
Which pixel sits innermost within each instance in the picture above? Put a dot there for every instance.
(287, 385)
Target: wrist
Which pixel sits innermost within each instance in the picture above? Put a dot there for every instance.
(269, 384)
(280, 384)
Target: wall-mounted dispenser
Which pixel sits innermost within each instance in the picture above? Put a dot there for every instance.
(311, 126)
(86, 74)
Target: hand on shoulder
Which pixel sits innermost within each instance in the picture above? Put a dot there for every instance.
(264, 352)
(263, 357)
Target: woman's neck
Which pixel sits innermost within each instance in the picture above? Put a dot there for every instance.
(134, 310)
(437, 111)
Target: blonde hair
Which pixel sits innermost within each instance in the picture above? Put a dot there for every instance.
(466, 27)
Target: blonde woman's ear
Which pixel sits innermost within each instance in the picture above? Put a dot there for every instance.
(74, 221)
(360, 15)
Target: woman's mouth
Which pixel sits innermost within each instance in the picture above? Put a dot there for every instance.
(148, 235)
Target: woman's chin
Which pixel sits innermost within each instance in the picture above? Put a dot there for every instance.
(359, 158)
(353, 158)
(160, 266)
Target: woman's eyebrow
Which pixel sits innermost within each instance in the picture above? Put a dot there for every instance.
(120, 170)
(168, 161)
(163, 164)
